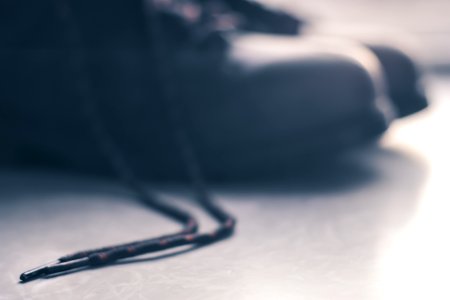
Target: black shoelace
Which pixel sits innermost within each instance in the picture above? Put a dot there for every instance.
(189, 234)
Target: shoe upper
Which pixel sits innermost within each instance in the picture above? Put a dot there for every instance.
(249, 100)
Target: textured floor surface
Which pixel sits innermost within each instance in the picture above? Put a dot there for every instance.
(375, 226)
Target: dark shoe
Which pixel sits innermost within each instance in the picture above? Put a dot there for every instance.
(253, 103)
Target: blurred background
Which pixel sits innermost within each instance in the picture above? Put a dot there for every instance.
(421, 23)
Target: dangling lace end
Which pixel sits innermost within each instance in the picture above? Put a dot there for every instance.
(53, 268)
(37, 272)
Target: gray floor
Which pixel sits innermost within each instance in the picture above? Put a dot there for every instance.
(374, 227)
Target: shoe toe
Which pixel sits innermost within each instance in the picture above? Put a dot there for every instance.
(403, 79)
(282, 103)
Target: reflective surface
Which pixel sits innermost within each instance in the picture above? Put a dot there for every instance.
(372, 226)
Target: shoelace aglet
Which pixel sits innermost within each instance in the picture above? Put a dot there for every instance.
(37, 272)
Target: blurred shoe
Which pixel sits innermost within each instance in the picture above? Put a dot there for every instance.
(255, 103)
(259, 103)
(401, 73)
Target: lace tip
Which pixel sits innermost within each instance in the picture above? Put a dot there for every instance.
(35, 273)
